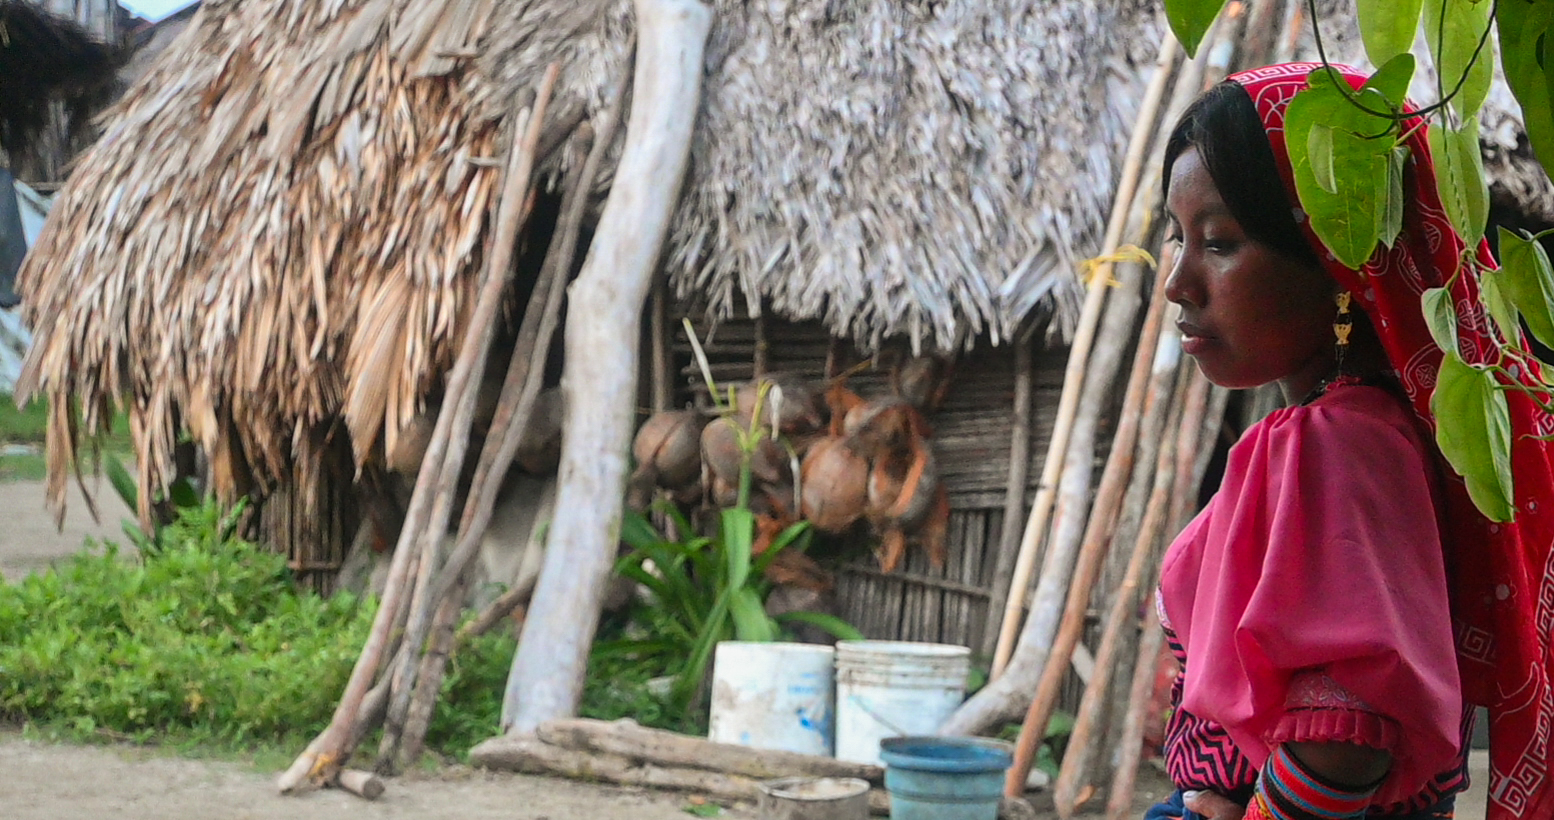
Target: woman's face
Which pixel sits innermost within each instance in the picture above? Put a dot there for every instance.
(1250, 315)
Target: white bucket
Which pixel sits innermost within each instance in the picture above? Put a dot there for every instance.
(893, 689)
(775, 696)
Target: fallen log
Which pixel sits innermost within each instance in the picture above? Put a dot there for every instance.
(362, 784)
(530, 755)
(626, 738)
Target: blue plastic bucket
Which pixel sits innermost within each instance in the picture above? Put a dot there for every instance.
(944, 778)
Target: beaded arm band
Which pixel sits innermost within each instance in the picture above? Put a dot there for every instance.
(1287, 790)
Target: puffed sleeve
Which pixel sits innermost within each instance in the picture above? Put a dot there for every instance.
(1314, 593)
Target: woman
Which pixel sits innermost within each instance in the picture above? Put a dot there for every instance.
(1340, 602)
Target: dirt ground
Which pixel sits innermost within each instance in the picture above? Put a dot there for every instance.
(40, 781)
(28, 539)
(49, 782)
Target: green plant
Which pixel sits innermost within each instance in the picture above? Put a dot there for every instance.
(1348, 149)
(204, 641)
(706, 589)
(181, 496)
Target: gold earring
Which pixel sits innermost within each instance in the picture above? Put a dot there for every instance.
(1342, 325)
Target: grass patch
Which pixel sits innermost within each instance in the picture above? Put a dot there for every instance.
(25, 466)
(22, 425)
(23, 431)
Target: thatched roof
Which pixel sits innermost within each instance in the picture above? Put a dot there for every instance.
(285, 217)
(44, 58)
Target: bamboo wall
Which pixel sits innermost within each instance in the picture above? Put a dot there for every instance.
(972, 444)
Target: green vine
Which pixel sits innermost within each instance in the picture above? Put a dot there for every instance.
(1349, 149)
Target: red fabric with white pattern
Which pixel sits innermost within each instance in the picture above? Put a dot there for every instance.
(1501, 575)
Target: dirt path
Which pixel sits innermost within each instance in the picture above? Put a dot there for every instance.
(28, 537)
(48, 782)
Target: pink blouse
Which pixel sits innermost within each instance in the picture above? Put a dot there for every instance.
(1309, 597)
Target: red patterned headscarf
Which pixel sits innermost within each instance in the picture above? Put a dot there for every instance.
(1501, 575)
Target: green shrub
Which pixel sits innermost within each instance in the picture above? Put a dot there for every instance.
(205, 640)
(201, 641)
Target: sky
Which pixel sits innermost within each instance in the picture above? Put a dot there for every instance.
(154, 9)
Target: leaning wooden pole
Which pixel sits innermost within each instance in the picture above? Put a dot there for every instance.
(1119, 801)
(473, 354)
(1098, 531)
(320, 763)
(1079, 356)
(1122, 613)
(598, 384)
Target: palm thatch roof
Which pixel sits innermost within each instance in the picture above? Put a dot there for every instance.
(283, 222)
(43, 58)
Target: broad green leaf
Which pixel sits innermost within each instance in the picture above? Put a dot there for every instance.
(1320, 150)
(1393, 77)
(1350, 217)
(1190, 20)
(1499, 305)
(751, 623)
(123, 483)
(836, 627)
(1459, 174)
(1393, 207)
(1473, 429)
(1453, 39)
(1387, 27)
(1527, 279)
(1441, 318)
(1521, 28)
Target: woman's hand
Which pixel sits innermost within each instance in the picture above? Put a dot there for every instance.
(1212, 805)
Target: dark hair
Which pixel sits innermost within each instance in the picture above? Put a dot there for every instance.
(1224, 126)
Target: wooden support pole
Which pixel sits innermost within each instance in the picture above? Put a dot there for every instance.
(1079, 355)
(1019, 477)
(662, 334)
(602, 332)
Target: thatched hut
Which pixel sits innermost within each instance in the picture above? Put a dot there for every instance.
(273, 243)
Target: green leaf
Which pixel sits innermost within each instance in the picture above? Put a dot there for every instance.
(1387, 27)
(1349, 216)
(836, 627)
(1453, 45)
(1393, 78)
(1319, 147)
(738, 541)
(751, 623)
(1190, 20)
(1473, 429)
(123, 483)
(1392, 212)
(1521, 28)
(637, 530)
(1499, 305)
(704, 809)
(1441, 318)
(1527, 279)
(1459, 174)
